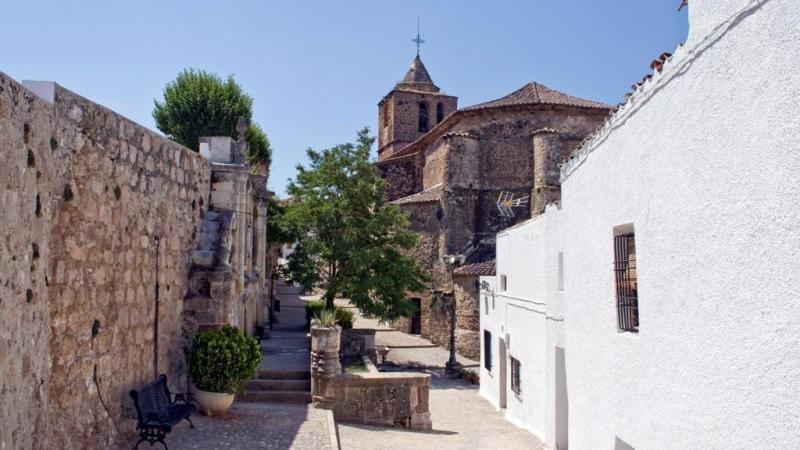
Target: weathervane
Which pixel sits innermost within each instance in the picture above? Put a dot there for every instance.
(418, 40)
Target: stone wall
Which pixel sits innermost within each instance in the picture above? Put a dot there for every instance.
(100, 219)
(374, 398)
(483, 153)
(228, 278)
(383, 399)
(403, 176)
(29, 194)
(356, 343)
(398, 116)
(436, 319)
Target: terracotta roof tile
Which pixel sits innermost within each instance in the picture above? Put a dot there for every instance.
(478, 263)
(430, 195)
(535, 93)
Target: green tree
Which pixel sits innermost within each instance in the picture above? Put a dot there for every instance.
(259, 151)
(199, 103)
(350, 240)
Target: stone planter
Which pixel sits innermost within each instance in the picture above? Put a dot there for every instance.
(325, 363)
(213, 403)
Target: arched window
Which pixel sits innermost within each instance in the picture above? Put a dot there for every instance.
(439, 112)
(423, 117)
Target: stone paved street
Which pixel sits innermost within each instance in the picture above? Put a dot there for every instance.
(462, 419)
(255, 426)
(408, 350)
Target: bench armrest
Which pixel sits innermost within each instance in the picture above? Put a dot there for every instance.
(182, 397)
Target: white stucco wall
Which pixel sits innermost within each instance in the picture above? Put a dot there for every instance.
(519, 317)
(705, 163)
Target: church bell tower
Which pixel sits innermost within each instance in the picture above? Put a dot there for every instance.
(411, 109)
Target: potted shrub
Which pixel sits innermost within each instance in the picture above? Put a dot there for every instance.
(470, 375)
(314, 308)
(219, 362)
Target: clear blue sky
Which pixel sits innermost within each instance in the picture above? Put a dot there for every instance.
(317, 69)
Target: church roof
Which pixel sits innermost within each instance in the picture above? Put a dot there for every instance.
(430, 195)
(480, 262)
(417, 78)
(530, 95)
(534, 93)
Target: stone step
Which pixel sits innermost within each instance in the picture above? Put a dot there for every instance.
(276, 374)
(278, 385)
(276, 396)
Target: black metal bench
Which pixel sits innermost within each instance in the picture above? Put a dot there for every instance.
(157, 411)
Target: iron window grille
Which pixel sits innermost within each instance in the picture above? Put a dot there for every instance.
(515, 376)
(487, 350)
(626, 282)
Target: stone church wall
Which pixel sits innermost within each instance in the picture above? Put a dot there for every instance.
(98, 211)
(403, 176)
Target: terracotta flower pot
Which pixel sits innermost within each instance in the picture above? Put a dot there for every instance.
(213, 403)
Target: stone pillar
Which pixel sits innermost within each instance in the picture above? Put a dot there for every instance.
(461, 182)
(546, 174)
(325, 364)
(216, 279)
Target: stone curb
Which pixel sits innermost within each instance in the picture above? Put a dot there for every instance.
(332, 430)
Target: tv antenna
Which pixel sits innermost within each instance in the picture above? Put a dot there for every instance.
(506, 203)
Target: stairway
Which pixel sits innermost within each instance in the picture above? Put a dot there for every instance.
(279, 386)
(284, 374)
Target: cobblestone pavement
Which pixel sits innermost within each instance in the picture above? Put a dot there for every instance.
(255, 426)
(462, 419)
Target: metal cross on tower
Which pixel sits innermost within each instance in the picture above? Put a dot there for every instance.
(418, 40)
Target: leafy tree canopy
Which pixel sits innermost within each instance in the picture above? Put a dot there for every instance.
(199, 103)
(350, 240)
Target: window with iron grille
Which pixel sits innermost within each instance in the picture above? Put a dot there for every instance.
(625, 280)
(515, 376)
(487, 350)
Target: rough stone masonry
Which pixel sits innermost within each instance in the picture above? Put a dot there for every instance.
(100, 217)
(447, 170)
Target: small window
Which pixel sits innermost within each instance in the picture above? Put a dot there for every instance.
(487, 350)
(560, 271)
(439, 112)
(515, 376)
(423, 117)
(503, 283)
(486, 304)
(626, 282)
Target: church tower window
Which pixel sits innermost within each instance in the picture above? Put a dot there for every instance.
(423, 117)
(439, 112)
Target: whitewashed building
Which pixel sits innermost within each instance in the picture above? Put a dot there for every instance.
(658, 306)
